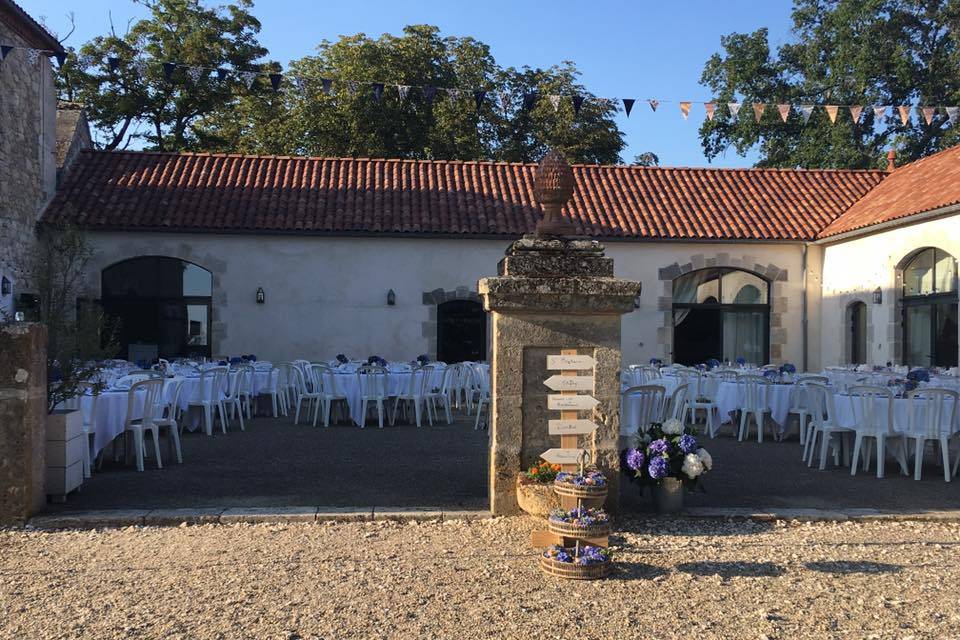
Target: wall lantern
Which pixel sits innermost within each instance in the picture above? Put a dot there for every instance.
(878, 296)
(5, 286)
(261, 296)
(391, 298)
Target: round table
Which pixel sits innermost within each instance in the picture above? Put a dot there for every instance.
(396, 383)
(730, 398)
(629, 406)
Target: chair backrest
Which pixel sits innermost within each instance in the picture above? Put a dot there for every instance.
(873, 407)
(820, 404)
(728, 375)
(932, 411)
(422, 381)
(481, 381)
(151, 393)
(646, 404)
(298, 380)
(679, 401)
(213, 382)
(650, 372)
(284, 375)
(709, 386)
(372, 381)
(239, 381)
(146, 373)
(812, 377)
(171, 408)
(754, 392)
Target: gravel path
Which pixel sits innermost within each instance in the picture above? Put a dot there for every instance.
(455, 579)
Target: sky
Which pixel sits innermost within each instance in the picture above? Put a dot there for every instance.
(640, 49)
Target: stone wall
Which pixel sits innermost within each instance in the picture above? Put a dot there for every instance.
(27, 161)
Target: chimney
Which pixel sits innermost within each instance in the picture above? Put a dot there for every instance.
(891, 160)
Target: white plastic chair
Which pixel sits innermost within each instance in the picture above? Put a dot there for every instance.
(150, 392)
(823, 417)
(209, 397)
(481, 382)
(303, 393)
(756, 403)
(168, 416)
(245, 390)
(798, 402)
(932, 415)
(372, 382)
(413, 393)
(873, 409)
(325, 384)
(442, 394)
(649, 373)
(705, 399)
(646, 405)
(232, 399)
(277, 391)
(676, 408)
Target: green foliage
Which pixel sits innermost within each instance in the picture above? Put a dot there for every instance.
(849, 52)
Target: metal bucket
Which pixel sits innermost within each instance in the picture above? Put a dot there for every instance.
(668, 496)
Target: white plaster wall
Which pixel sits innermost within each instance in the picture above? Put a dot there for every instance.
(853, 269)
(327, 295)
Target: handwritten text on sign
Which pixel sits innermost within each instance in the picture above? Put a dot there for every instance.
(563, 456)
(571, 403)
(571, 427)
(569, 383)
(570, 363)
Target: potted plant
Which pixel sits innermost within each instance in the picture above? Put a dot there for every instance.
(535, 489)
(668, 458)
(579, 563)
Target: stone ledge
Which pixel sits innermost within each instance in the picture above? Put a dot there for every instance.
(819, 515)
(176, 517)
(344, 514)
(403, 514)
(467, 515)
(269, 514)
(91, 519)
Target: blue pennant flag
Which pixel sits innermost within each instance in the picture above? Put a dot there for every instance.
(275, 79)
(429, 93)
(5, 51)
(221, 74)
(530, 100)
(114, 64)
(377, 91)
(168, 69)
(628, 105)
(577, 103)
(478, 98)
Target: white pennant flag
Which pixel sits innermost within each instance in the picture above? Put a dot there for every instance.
(555, 101)
(32, 56)
(880, 112)
(196, 73)
(504, 100)
(734, 109)
(402, 91)
(454, 96)
(952, 113)
(249, 77)
(805, 111)
(140, 66)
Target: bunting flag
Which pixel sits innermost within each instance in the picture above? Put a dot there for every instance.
(784, 110)
(653, 104)
(5, 51)
(429, 93)
(530, 100)
(880, 111)
(504, 100)
(478, 98)
(832, 110)
(114, 64)
(628, 105)
(710, 108)
(275, 79)
(196, 74)
(377, 91)
(855, 111)
(402, 91)
(904, 110)
(928, 113)
(453, 95)
(32, 56)
(805, 111)
(555, 101)
(249, 77)
(685, 109)
(577, 103)
(734, 108)
(952, 113)
(222, 74)
(326, 85)
(169, 68)
(758, 108)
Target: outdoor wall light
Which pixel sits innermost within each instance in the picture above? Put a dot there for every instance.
(878, 296)
(5, 286)
(391, 298)
(261, 296)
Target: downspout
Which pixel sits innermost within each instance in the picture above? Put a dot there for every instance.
(803, 316)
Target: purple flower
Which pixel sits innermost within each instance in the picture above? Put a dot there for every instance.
(659, 468)
(688, 444)
(658, 447)
(635, 459)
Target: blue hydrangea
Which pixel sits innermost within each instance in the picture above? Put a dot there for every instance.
(741, 361)
(658, 447)
(658, 468)
(688, 444)
(635, 459)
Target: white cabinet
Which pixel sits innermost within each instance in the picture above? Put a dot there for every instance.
(65, 442)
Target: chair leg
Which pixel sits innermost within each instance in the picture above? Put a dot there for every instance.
(239, 405)
(881, 454)
(918, 457)
(393, 414)
(380, 412)
(223, 417)
(155, 431)
(744, 425)
(363, 413)
(945, 457)
(824, 444)
(856, 453)
(138, 445)
(758, 418)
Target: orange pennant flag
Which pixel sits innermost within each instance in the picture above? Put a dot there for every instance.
(855, 111)
(904, 110)
(710, 107)
(832, 112)
(685, 109)
(928, 113)
(758, 108)
(784, 110)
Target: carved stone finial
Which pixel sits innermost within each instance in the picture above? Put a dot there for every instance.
(553, 188)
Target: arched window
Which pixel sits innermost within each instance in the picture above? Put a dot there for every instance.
(163, 305)
(461, 331)
(857, 333)
(722, 314)
(930, 309)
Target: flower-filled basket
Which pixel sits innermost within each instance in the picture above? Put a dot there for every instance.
(579, 522)
(535, 489)
(590, 485)
(586, 563)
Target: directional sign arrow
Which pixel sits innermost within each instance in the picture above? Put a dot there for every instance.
(571, 363)
(571, 427)
(563, 456)
(571, 403)
(569, 383)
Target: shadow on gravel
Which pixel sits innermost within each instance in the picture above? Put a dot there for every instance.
(637, 571)
(845, 567)
(728, 570)
(672, 526)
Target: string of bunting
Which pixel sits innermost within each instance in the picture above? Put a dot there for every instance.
(375, 90)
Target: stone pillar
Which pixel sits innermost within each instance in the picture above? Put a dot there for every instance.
(552, 293)
(23, 415)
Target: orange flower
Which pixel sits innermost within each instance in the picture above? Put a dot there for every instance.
(533, 471)
(556, 467)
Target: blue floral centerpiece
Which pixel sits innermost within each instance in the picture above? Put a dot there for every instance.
(377, 361)
(342, 359)
(741, 361)
(919, 375)
(423, 359)
(589, 485)
(712, 363)
(657, 362)
(788, 368)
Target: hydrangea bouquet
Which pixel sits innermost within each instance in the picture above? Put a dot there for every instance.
(666, 450)
(588, 479)
(919, 375)
(588, 555)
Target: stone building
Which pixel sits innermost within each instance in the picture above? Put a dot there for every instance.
(28, 168)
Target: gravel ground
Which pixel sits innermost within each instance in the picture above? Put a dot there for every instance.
(456, 579)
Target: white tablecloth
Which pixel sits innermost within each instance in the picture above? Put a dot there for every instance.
(850, 413)
(112, 414)
(397, 382)
(629, 406)
(730, 397)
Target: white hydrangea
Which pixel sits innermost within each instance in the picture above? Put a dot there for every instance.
(705, 459)
(672, 427)
(692, 466)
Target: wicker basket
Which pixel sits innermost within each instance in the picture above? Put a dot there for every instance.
(574, 531)
(572, 571)
(537, 499)
(580, 491)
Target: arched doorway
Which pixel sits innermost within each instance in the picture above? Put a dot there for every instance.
(929, 303)
(857, 333)
(721, 313)
(163, 305)
(461, 331)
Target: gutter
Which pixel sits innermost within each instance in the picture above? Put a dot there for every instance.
(889, 224)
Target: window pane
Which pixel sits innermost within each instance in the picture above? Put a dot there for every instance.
(697, 287)
(744, 336)
(918, 275)
(196, 325)
(946, 273)
(917, 336)
(196, 281)
(740, 287)
(946, 335)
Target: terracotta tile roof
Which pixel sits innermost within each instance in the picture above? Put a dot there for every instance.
(926, 184)
(233, 193)
(29, 29)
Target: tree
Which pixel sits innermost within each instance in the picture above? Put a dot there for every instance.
(349, 121)
(646, 159)
(847, 52)
(137, 101)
